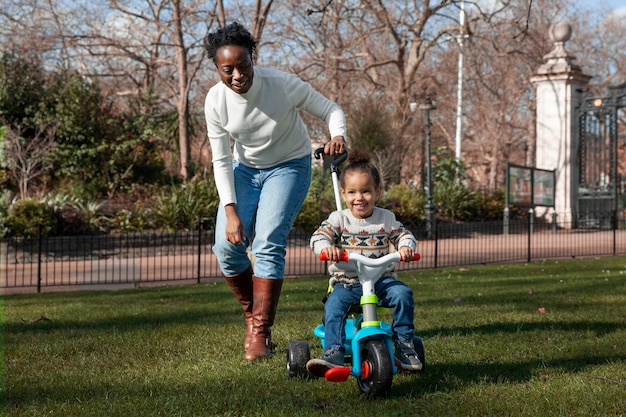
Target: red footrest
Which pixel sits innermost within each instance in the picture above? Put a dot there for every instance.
(338, 374)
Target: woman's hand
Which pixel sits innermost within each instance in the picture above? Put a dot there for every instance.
(336, 146)
(235, 233)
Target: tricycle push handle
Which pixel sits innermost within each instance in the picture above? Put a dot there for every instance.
(334, 165)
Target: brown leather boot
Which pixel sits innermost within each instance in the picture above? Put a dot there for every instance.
(266, 295)
(241, 285)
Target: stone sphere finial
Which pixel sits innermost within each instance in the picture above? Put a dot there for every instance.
(560, 32)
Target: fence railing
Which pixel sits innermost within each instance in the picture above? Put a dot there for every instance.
(32, 264)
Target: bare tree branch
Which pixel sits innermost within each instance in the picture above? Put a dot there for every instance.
(26, 157)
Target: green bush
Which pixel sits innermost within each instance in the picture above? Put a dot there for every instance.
(406, 202)
(454, 201)
(130, 220)
(310, 215)
(491, 206)
(90, 212)
(27, 216)
(187, 206)
(319, 203)
(6, 199)
(77, 213)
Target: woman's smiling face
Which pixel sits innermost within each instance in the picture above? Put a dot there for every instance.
(235, 68)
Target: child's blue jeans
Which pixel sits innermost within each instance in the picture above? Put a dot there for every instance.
(391, 293)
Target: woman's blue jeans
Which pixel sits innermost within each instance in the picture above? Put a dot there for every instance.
(268, 201)
(391, 293)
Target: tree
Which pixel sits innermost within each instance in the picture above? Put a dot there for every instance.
(259, 20)
(26, 158)
(174, 30)
(370, 128)
(24, 144)
(162, 42)
(146, 58)
(356, 49)
(21, 90)
(136, 48)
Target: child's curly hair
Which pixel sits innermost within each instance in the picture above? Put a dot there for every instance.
(359, 161)
(231, 34)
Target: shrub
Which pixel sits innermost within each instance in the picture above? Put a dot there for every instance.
(90, 212)
(319, 203)
(310, 215)
(454, 201)
(406, 202)
(491, 206)
(130, 220)
(27, 216)
(6, 199)
(77, 213)
(187, 206)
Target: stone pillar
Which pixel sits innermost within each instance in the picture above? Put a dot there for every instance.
(559, 85)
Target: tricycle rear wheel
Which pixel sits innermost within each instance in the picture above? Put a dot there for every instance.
(298, 354)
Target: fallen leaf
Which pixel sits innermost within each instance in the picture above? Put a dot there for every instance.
(40, 318)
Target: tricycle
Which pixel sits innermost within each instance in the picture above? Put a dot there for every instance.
(369, 348)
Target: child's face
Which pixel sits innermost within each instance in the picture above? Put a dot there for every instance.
(360, 194)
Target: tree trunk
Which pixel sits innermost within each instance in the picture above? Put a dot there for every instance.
(182, 101)
(258, 23)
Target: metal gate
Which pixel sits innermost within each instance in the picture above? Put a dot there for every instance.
(601, 159)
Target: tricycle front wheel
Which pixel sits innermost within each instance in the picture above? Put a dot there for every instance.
(376, 369)
(418, 343)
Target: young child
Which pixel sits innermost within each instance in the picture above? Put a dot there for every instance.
(368, 230)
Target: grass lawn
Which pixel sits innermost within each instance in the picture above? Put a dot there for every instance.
(543, 339)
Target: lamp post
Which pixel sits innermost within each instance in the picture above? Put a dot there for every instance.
(429, 208)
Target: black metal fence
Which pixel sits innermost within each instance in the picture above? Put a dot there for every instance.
(113, 261)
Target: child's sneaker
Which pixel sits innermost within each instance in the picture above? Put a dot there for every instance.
(332, 358)
(406, 357)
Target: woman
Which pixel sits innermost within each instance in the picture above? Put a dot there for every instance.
(264, 180)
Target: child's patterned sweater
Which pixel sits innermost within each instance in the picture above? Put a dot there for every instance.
(371, 237)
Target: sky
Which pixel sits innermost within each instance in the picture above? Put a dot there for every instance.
(618, 6)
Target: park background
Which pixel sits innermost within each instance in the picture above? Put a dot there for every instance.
(103, 130)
